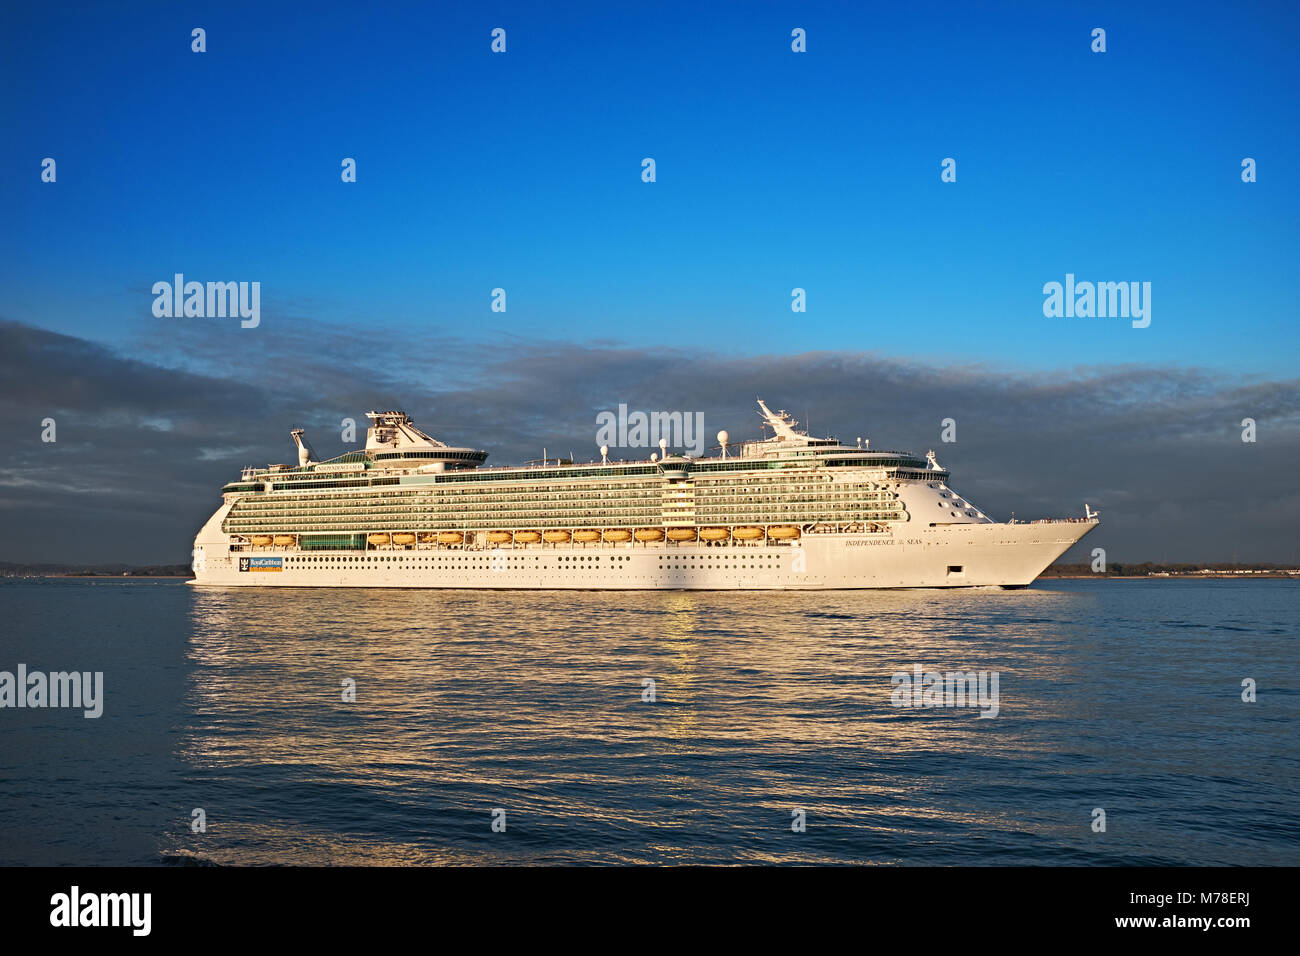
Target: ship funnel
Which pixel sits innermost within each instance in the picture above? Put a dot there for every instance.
(306, 455)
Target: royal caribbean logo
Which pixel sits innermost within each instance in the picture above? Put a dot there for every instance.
(261, 564)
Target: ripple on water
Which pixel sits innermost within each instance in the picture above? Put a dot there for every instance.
(1119, 695)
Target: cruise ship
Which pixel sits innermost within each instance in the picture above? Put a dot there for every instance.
(786, 511)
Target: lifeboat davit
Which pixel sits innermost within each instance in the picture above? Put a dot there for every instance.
(617, 534)
(377, 539)
(262, 540)
(284, 540)
(556, 537)
(499, 537)
(714, 534)
(681, 534)
(747, 534)
(403, 538)
(783, 532)
(527, 537)
(450, 537)
(649, 534)
(586, 535)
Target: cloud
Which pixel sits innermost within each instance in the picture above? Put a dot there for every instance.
(146, 439)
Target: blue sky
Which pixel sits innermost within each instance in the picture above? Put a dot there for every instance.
(775, 170)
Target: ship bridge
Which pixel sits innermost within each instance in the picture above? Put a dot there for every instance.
(393, 441)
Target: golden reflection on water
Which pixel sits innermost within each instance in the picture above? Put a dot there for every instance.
(679, 637)
(468, 700)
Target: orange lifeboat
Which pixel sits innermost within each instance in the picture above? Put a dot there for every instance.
(649, 534)
(404, 538)
(747, 534)
(681, 534)
(450, 537)
(586, 535)
(499, 537)
(262, 540)
(783, 532)
(556, 537)
(617, 534)
(714, 534)
(527, 537)
(377, 539)
(284, 540)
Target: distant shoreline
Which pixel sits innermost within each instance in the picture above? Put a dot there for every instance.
(82, 574)
(1047, 575)
(104, 576)
(1063, 570)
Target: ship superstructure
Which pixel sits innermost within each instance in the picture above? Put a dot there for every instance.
(788, 511)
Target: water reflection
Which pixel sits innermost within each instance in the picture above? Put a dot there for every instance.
(467, 701)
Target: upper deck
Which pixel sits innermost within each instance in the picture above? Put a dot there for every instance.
(397, 452)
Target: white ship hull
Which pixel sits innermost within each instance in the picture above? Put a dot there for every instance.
(961, 555)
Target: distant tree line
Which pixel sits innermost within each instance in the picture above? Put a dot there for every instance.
(1116, 569)
(13, 569)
